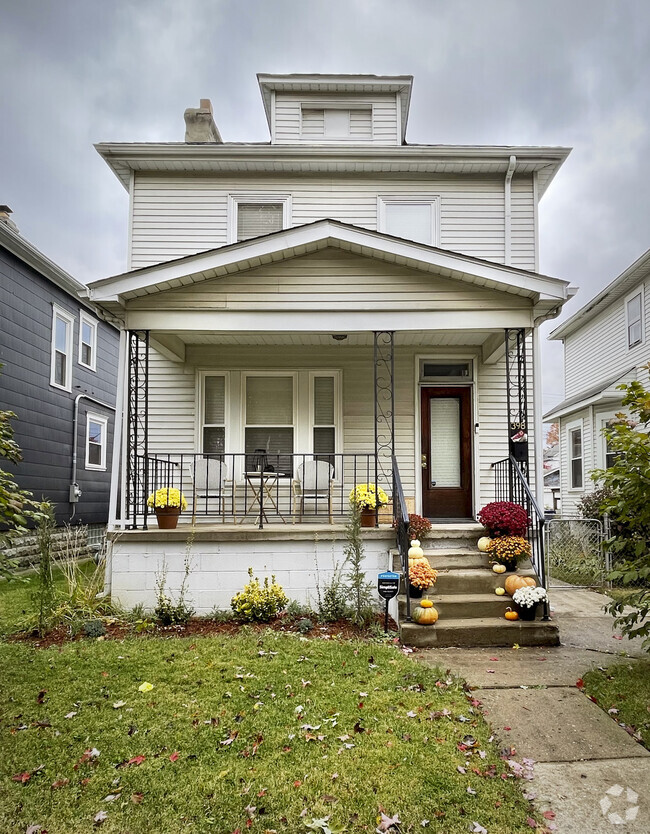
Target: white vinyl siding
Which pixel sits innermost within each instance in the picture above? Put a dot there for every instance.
(178, 216)
(373, 119)
(634, 319)
(522, 229)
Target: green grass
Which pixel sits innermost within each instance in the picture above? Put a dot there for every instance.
(377, 739)
(16, 602)
(625, 688)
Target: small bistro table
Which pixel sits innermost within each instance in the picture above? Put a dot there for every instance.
(262, 485)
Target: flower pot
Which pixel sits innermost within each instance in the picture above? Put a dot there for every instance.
(526, 612)
(367, 517)
(415, 593)
(167, 517)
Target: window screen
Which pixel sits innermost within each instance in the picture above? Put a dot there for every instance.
(214, 414)
(411, 221)
(255, 219)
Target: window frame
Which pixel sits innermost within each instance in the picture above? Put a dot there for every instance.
(68, 318)
(295, 410)
(432, 200)
(103, 421)
(638, 293)
(84, 318)
(576, 425)
(338, 409)
(201, 425)
(255, 197)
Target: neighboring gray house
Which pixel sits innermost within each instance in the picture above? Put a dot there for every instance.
(605, 344)
(59, 377)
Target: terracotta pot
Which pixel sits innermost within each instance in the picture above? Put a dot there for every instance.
(367, 517)
(167, 517)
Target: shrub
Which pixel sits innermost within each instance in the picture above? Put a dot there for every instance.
(304, 625)
(258, 602)
(94, 628)
(167, 611)
(359, 590)
(509, 549)
(504, 518)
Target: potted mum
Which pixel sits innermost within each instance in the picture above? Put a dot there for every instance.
(504, 518)
(526, 601)
(508, 551)
(421, 577)
(167, 503)
(367, 497)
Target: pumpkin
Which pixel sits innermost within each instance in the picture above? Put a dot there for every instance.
(513, 583)
(415, 549)
(499, 591)
(499, 568)
(483, 543)
(511, 615)
(424, 615)
(426, 603)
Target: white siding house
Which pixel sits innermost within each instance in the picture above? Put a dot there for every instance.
(605, 344)
(335, 295)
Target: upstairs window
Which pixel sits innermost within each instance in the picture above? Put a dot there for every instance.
(61, 351)
(87, 342)
(575, 457)
(414, 219)
(253, 216)
(634, 318)
(336, 123)
(96, 429)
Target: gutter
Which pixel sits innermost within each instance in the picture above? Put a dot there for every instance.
(75, 491)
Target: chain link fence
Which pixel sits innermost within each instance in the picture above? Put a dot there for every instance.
(575, 554)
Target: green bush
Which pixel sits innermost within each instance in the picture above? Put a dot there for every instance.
(258, 602)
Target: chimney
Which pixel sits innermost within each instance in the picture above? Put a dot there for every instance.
(199, 124)
(5, 211)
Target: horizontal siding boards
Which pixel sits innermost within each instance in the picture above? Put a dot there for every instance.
(45, 414)
(295, 123)
(331, 279)
(177, 216)
(522, 234)
(572, 497)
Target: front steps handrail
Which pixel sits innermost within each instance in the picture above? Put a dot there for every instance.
(401, 524)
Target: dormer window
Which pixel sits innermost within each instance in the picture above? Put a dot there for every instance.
(330, 124)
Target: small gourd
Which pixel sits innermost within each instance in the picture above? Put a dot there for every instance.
(499, 568)
(511, 615)
(426, 603)
(513, 583)
(424, 614)
(483, 543)
(500, 591)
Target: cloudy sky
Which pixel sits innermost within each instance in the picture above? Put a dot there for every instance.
(531, 72)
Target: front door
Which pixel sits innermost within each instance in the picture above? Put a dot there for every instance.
(446, 452)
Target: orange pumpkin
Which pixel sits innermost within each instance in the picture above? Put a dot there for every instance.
(513, 583)
(511, 615)
(426, 603)
(424, 615)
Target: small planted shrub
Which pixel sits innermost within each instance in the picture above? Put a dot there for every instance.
(504, 518)
(94, 628)
(258, 602)
(304, 625)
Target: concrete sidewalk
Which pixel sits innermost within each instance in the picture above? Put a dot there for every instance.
(588, 770)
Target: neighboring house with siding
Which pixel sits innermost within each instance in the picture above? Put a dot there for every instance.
(59, 376)
(605, 344)
(333, 296)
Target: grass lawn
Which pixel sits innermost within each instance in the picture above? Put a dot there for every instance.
(625, 688)
(264, 732)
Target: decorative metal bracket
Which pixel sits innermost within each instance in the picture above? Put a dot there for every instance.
(137, 441)
(384, 379)
(517, 396)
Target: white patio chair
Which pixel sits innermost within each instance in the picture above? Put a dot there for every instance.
(313, 483)
(210, 480)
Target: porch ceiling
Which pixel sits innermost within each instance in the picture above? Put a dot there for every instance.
(414, 338)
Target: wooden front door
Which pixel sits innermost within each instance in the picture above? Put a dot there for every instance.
(446, 419)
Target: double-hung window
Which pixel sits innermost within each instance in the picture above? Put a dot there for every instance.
(87, 342)
(324, 408)
(574, 436)
(254, 215)
(96, 431)
(269, 416)
(634, 319)
(214, 414)
(61, 351)
(411, 218)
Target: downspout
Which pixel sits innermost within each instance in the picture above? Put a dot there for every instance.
(75, 492)
(507, 220)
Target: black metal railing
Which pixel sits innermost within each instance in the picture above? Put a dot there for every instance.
(401, 524)
(510, 484)
(255, 487)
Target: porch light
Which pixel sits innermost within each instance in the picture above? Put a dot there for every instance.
(339, 337)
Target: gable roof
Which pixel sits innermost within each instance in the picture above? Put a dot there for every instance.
(603, 392)
(302, 240)
(620, 287)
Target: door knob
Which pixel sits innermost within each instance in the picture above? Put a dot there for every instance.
(424, 461)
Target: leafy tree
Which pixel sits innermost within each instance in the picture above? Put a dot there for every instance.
(625, 498)
(552, 435)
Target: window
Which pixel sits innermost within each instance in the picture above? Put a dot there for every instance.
(214, 414)
(269, 419)
(61, 358)
(445, 369)
(96, 430)
(87, 342)
(254, 215)
(634, 317)
(410, 218)
(575, 457)
(324, 407)
(337, 123)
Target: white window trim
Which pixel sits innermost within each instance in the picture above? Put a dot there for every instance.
(96, 418)
(338, 408)
(86, 319)
(200, 396)
(628, 298)
(432, 200)
(256, 197)
(570, 427)
(69, 319)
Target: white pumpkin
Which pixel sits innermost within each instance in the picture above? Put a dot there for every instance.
(499, 591)
(415, 549)
(483, 543)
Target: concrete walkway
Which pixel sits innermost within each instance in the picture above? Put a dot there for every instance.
(587, 770)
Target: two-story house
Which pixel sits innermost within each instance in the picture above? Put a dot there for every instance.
(330, 308)
(59, 377)
(605, 344)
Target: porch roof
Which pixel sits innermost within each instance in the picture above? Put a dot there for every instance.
(544, 292)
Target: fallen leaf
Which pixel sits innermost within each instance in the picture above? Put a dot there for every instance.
(99, 817)
(34, 829)
(549, 815)
(23, 777)
(580, 683)
(60, 783)
(40, 698)
(386, 822)
(478, 829)
(111, 797)
(174, 756)
(145, 687)
(118, 704)
(136, 798)
(531, 822)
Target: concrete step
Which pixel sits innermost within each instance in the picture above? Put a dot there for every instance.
(449, 558)
(462, 606)
(474, 580)
(481, 631)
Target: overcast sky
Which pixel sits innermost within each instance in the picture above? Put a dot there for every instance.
(531, 72)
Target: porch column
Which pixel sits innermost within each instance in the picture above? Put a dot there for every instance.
(384, 379)
(137, 428)
(517, 399)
